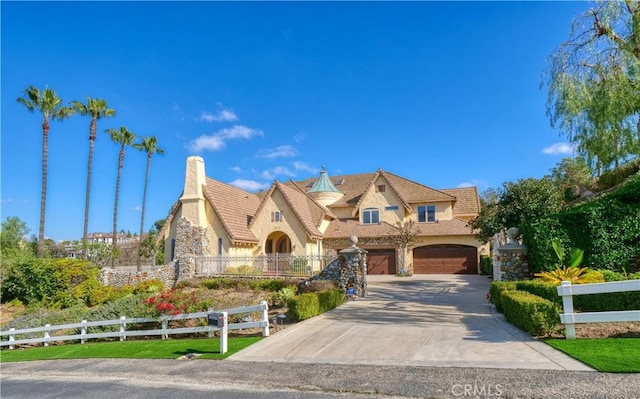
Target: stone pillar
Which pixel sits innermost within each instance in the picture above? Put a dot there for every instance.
(349, 269)
(513, 258)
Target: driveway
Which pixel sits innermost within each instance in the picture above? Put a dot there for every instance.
(424, 320)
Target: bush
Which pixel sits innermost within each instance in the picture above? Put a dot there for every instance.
(531, 313)
(50, 281)
(497, 290)
(149, 286)
(612, 178)
(540, 288)
(317, 286)
(305, 306)
(486, 265)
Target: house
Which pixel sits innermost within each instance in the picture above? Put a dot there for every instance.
(318, 215)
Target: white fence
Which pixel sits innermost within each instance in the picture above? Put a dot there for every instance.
(269, 265)
(570, 319)
(164, 331)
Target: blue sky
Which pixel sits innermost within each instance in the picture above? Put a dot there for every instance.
(444, 93)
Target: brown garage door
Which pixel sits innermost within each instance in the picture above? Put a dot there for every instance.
(445, 259)
(381, 261)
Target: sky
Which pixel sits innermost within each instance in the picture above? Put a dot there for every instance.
(447, 94)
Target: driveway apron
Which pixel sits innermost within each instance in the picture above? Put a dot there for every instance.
(423, 320)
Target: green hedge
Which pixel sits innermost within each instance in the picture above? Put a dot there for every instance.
(486, 265)
(305, 306)
(607, 228)
(496, 291)
(533, 314)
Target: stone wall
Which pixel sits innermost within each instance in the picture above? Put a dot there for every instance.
(348, 270)
(115, 278)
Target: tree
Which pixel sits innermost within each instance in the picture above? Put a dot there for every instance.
(124, 138)
(12, 237)
(406, 234)
(525, 200)
(149, 145)
(571, 176)
(50, 106)
(594, 84)
(96, 108)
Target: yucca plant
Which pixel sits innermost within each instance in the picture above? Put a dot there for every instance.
(569, 271)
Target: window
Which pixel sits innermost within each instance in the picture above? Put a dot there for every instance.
(427, 214)
(277, 216)
(340, 182)
(370, 216)
(391, 208)
(381, 188)
(220, 246)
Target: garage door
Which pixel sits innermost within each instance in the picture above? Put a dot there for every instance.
(445, 259)
(381, 261)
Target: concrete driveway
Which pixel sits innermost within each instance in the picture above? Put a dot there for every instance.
(424, 320)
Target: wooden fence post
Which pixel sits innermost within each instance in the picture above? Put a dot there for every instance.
(47, 336)
(83, 331)
(12, 337)
(123, 328)
(265, 318)
(567, 310)
(224, 333)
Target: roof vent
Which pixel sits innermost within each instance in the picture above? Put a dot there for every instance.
(310, 184)
(340, 182)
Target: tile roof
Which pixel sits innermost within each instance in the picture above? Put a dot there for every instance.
(233, 206)
(346, 228)
(468, 201)
(308, 211)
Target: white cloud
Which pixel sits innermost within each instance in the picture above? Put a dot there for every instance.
(481, 184)
(282, 151)
(137, 208)
(465, 184)
(236, 169)
(299, 137)
(249, 185)
(223, 115)
(217, 141)
(304, 167)
(559, 149)
(277, 171)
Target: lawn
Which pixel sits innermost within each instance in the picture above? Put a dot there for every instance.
(207, 348)
(613, 355)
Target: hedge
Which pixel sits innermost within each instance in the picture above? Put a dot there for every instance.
(486, 265)
(496, 291)
(531, 313)
(306, 306)
(607, 228)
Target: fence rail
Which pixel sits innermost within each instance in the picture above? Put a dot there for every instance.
(569, 318)
(123, 333)
(271, 265)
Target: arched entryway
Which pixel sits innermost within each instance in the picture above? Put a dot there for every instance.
(445, 259)
(277, 243)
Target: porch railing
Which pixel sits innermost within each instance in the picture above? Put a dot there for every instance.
(268, 265)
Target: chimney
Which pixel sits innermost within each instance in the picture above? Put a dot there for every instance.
(192, 199)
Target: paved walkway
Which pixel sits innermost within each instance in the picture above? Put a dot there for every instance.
(424, 320)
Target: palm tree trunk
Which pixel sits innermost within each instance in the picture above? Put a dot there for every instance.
(92, 140)
(43, 194)
(144, 202)
(115, 208)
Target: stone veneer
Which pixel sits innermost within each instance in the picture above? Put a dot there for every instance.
(348, 269)
(191, 242)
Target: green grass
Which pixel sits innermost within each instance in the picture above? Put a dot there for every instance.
(612, 355)
(208, 348)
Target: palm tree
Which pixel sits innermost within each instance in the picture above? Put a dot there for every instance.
(125, 138)
(150, 146)
(96, 108)
(50, 106)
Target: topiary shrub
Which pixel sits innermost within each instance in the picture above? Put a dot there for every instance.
(330, 299)
(305, 306)
(496, 291)
(531, 313)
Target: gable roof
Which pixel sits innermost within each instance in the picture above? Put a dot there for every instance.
(468, 201)
(233, 207)
(308, 211)
(355, 186)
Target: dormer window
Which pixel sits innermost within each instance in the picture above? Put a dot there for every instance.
(427, 214)
(381, 188)
(370, 216)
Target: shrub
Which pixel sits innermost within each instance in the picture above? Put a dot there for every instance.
(531, 313)
(305, 306)
(317, 286)
(149, 287)
(540, 288)
(612, 178)
(497, 290)
(174, 302)
(486, 265)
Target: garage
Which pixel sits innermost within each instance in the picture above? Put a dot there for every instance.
(445, 259)
(381, 261)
